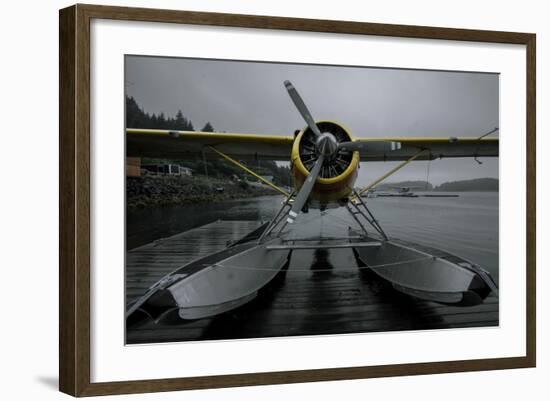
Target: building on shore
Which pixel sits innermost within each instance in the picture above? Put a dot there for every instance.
(134, 168)
(167, 169)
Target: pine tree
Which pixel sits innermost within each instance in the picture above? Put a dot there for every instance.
(180, 122)
(208, 127)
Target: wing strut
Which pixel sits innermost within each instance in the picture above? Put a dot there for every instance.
(392, 171)
(243, 167)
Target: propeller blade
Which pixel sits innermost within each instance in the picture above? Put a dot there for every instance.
(351, 146)
(302, 108)
(302, 196)
(374, 145)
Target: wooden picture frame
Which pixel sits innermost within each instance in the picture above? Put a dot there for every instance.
(74, 204)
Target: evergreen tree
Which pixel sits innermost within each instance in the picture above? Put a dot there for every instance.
(180, 123)
(208, 127)
(162, 122)
(135, 117)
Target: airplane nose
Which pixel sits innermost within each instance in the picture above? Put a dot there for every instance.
(327, 144)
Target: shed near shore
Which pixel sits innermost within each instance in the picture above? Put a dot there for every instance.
(133, 166)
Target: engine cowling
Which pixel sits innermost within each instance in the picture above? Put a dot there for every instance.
(339, 172)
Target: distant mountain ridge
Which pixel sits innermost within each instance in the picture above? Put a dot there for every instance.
(476, 184)
(473, 185)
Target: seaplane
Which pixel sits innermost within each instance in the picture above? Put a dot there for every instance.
(324, 159)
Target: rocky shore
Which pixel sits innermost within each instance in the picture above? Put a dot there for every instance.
(169, 190)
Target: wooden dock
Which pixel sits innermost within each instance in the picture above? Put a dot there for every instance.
(322, 292)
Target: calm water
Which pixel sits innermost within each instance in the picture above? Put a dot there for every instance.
(466, 226)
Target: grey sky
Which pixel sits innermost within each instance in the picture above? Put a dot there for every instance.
(250, 97)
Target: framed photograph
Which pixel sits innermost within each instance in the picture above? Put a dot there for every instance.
(250, 200)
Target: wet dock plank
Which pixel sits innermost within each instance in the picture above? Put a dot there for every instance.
(322, 292)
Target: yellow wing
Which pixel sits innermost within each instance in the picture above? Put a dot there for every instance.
(396, 148)
(183, 144)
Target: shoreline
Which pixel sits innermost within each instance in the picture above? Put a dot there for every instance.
(146, 191)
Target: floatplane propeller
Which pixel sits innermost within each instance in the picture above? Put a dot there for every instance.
(327, 147)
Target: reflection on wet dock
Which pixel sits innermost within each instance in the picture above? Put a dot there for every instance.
(323, 291)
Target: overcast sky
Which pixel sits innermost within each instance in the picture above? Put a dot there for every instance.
(250, 97)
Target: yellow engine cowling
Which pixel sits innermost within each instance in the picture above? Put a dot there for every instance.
(332, 190)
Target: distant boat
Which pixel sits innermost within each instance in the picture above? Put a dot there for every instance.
(377, 194)
(440, 195)
(397, 195)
